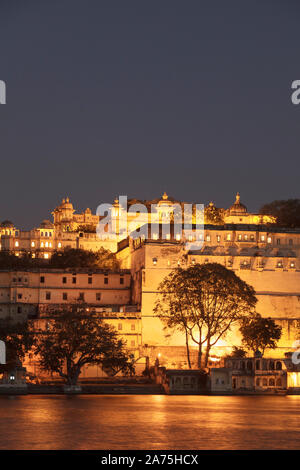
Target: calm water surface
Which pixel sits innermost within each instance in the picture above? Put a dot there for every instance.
(149, 422)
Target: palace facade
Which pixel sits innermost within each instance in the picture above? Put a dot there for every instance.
(263, 255)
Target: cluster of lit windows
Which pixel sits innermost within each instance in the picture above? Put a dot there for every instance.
(46, 244)
(46, 234)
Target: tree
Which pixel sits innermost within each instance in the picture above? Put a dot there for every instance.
(79, 258)
(18, 339)
(87, 228)
(73, 338)
(259, 333)
(213, 215)
(237, 352)
(286, 212)
(203, 301)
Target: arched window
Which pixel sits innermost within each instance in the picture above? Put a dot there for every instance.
(278, 365)
(271, 383)
(265, 383)
(258, 382)
(279, 383)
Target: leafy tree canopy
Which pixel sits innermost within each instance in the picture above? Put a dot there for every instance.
(18, 339)
(78, 258)
(286, 212)
(74, 338)
(259, 333)
(204, 301)
(237, 352)
(213, 215)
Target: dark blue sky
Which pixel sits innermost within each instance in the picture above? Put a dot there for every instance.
(134, 97)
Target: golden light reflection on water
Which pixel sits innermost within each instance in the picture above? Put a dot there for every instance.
(149, 422)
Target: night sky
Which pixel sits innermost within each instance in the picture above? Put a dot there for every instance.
(140, 97)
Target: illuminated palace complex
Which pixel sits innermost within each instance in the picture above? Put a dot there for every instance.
(263, 255)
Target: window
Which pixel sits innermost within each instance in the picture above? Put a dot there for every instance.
(81, 295)
(239, 237)
(168, 236)
(65, 296)
(64, 280)
(178, 236)
(106, 280)
(154, 261)
(271, 383)
(42, 279)
(155, 236)
(48, 295)
(121, 280)
(290, 241)
(20, 296)
(90, 280)
(292, 265)
(279, 264)
(19, 279)
(278, 365)
(218, 238)
(16, 243)
(265, 383)
(46, 244)
(208, 238)
(73, 280)
(278, 241)
(42, 244)
(19, 309)
(252, 238)
(258, 382)
(59, 244)
(120, 327)
(245, 237)
(98, 296)
(228, 237)
(132, 343)
(46, 255)
(132, 327)
(262, 238)
(279, 383)
(32, 243)
(269, 239)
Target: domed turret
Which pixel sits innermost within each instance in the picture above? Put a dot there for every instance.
(237, 208)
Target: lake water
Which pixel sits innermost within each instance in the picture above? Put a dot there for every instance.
(149, 422)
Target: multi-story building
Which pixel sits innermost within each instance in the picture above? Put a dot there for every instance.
(71, 230)
(35, 293)
(266, 257)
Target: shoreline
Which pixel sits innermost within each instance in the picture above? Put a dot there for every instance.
(126, 389)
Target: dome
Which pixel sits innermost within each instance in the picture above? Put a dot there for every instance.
(7, 223)
(46, 224)
(66, 204)
(237, 207)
